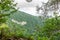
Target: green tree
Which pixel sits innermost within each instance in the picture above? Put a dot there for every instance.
(53, 4)
(51, 28)
(6, 8)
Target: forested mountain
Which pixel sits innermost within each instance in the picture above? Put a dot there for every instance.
(17, 25)
(31, 23)
(29, 19)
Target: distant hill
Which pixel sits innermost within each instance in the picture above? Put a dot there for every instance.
(31, 22)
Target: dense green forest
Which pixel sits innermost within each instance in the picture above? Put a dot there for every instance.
(17, 25)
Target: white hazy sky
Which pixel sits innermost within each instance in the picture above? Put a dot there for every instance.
(29, 8)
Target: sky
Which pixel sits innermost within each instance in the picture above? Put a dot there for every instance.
(29, 7)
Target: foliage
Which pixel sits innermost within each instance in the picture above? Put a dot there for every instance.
(6, 5)
(56, 36)
(52, 2)
(51, 28)
(33, 30)
(50, 31)
(6, 8)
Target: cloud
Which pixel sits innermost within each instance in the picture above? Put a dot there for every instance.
(30, 7)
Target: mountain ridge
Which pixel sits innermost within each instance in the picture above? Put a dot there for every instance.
(31, 23)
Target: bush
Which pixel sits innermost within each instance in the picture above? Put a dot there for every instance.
(51, 28)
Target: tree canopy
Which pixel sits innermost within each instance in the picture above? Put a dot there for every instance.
(6, 8)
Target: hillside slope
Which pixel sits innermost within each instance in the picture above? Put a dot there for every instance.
(30, 26)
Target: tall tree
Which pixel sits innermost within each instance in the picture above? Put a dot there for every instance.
(51, 5)
(54, 4)
(6, 8)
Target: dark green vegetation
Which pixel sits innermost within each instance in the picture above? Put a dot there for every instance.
(33, 29)
(27, 30)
